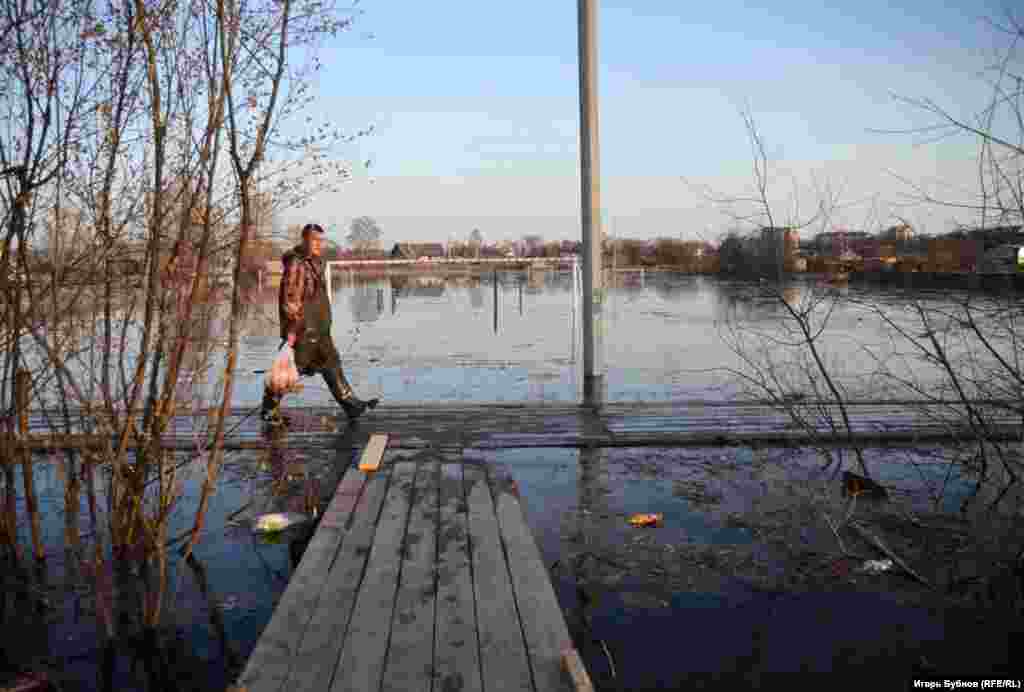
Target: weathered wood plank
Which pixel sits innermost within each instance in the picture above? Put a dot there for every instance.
(503, 655)
(361, 664)
(317, 656)
(373, 453)
(574, 668)
(667, 407)
(543, 623)
(409, 664)
(456, 658)
(269, 664)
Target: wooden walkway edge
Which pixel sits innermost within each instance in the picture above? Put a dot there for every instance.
(617, 424)
(422, 576)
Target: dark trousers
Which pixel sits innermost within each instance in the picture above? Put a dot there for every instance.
(315, 353)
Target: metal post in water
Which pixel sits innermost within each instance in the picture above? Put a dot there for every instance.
(495, 301)
(590, 197)
(572, 332)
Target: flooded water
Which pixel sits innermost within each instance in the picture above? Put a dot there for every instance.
(213, 620)
(736, 584)
(514, 336)
(741, 580)
(713, 596)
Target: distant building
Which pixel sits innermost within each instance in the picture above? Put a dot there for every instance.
(533, 246)
(868, 248)
(953, 254)
(776, 247)
(902, 233)
(417, 250)
(840, 243)
(422, 287)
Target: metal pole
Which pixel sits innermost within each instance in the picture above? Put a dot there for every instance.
(590, 197)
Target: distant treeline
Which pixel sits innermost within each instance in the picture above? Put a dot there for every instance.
(686, 255)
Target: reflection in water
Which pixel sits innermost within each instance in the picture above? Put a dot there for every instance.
(496, 302)
(89, 620)
(749, 302)
(791, 295)
(405, 286)
(587, 537)
(673, 288)
(476, 294)
(535, 282)
(216, 614)
(363, 302)
(660, 336)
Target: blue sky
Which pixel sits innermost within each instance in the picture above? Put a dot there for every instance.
(476, 114)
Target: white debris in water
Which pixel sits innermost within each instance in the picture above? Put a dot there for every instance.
(279, 521)
(876, 566)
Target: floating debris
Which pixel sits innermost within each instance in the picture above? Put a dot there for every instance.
(641, 600)
(876, 566)
(646, 519)
(279, 521)
(860, 486)
(30, 682)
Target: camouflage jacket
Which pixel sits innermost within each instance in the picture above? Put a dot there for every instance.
(302, 303)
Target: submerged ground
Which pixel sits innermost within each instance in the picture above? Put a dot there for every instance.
(757, 568)
(744, 578)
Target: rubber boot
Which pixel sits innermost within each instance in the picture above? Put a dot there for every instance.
(343, 394)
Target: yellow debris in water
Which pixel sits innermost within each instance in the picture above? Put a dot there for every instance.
(646, 519)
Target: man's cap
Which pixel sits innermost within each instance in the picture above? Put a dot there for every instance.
(312, 227)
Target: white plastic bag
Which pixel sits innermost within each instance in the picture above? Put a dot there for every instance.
(279, 521)
(283, 375)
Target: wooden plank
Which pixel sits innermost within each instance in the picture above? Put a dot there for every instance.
(456, 657)
(268, 666)
(544, 627)
(361, 664)
(410, 657)
(373, 453)
(573, 665)
(671, 407)
(503, 657)
(313, 664)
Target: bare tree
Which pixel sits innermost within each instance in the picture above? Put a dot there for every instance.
(364, 234)
(140, 134)
(959, 355)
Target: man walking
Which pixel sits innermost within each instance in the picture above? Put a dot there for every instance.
(305, 313)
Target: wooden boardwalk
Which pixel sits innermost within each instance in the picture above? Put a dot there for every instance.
(421, 576)
(616, 424)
